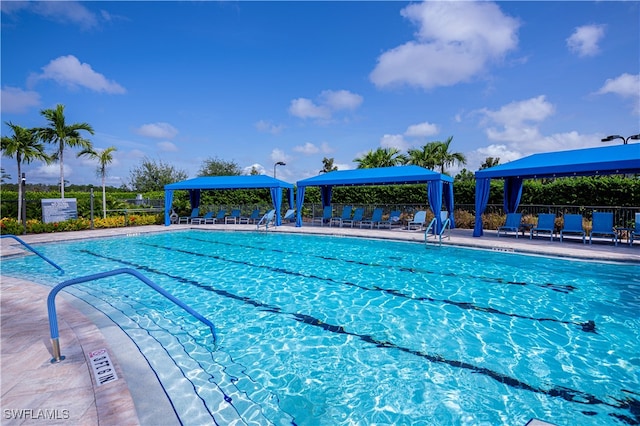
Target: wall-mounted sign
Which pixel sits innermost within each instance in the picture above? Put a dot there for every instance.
(59, 209)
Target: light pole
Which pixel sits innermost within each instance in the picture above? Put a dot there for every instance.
(624, 140)
(279, 163)
(23, 213)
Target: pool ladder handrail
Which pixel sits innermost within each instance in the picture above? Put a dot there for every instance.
(266, 219)
(446, 224)
(53, 319)
(51, 262)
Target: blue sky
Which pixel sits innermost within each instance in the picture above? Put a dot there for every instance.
(261, 82)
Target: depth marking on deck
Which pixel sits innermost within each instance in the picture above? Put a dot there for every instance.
(103, 369)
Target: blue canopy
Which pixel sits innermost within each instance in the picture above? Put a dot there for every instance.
(383, 176)
(196, 185)
(616, 159)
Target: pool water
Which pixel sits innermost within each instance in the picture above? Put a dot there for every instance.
(317, 330)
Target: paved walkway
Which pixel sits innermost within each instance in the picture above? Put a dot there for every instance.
(36, 391)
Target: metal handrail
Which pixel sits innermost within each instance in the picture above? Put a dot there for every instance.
(268, 217)
(53, 319)
(446, 224)
(51, 262)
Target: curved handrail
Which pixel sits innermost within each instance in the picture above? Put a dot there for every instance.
(445, 224)
(51, 304)
(33, 250)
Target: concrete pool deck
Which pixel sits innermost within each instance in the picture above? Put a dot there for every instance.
(36, 391)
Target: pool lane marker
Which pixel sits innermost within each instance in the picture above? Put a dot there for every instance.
(571, 395)
(587, 326)
(561, 288)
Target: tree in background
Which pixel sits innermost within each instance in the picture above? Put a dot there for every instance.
(104, 157)
(381, 157)
(327, 165)
(445, 158)
(489, 162)
(25, 147)
(153, 176)
(217, 167)
(63, 135)
(464, 176)
(254, 171)
(427, 156)
(4, 176)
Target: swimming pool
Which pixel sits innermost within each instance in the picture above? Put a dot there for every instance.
(330, 330)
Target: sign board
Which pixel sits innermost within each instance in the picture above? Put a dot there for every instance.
(59, 209)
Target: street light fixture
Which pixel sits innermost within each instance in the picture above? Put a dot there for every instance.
(281, 163)
(624, 140)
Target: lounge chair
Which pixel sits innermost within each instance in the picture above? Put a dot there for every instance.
(289, 216)
(635, 232)
(203, 219)
(327, 212)
(255, 216)
(512, 224)
(602, 225)
(219, 217)
(573, 226)
(357, 217)
(546, 223)
(268, 218)
(418, 220)
(234, 217)
(195, 212)
(376, 217)
(394, 219)
(346, 215)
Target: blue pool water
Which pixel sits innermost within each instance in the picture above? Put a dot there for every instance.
(316, 330)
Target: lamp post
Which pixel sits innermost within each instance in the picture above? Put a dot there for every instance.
(279, 163)
(23, 213)
(624, 140)
(91, 203)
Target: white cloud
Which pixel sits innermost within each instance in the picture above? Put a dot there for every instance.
(65, 12)
(421, 130)
(157, 130)
(329, 102)
(626, 86)
(340, 99)
(167, 147)
(49, 171)
(394, 141)
(279, 155)
(455, 41)
(16, 100)
(68, 71)
(268, 127)
(584, 40)
(247, 170)
(326, 148)
(305, 108)
(307, 149)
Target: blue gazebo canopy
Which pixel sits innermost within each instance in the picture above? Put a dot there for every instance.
(616, 159)
(398, 175)
(196, 185)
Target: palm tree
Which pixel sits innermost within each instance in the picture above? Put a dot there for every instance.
(426, 157)
(381, 157)
(446, 158)
(104, 157)
(25, 146)
(63, 135)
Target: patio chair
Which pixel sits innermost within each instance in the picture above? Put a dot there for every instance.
(602, 224)
(327, 212)
(512, 224)
(234, 217)
(357, 217)
(201, 220)
(346, 215)
(268, 218)
(394, 219)
(418, 221)
(219, 217)
(572, 226)
(195, 212)
(546, 223)
(289, 216)
(255, 216)
(635, 232)
(376, 217)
